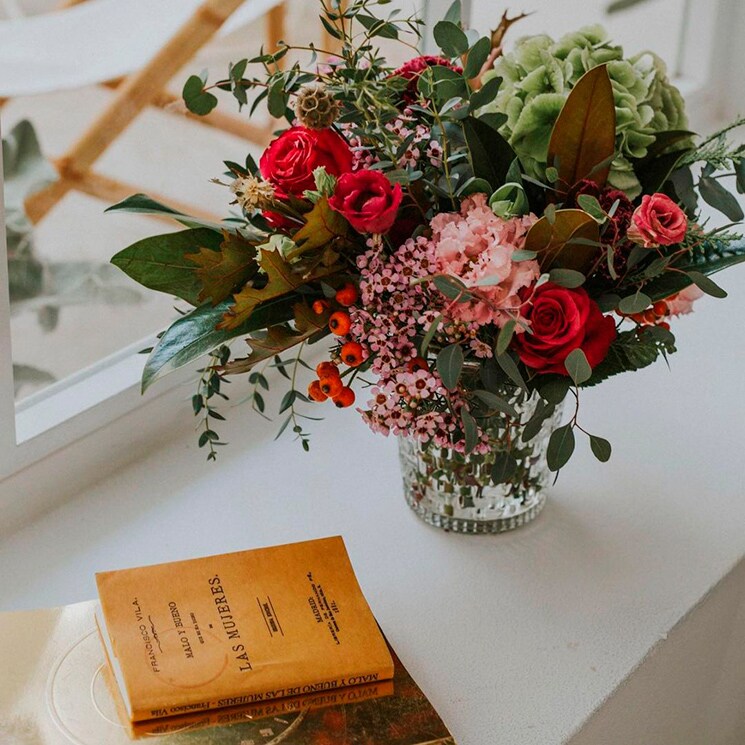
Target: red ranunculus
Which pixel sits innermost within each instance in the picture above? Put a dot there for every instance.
(368, 200)
(658, 221)
(291, 158)
(562, 320)
(413, 68)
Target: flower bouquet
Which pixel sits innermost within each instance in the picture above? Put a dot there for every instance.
(462, 243)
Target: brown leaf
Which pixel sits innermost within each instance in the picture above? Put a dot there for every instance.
(553, 242)
(222, 271)
(322, 225)
(584, 135)
(281, 279)
(279, 338)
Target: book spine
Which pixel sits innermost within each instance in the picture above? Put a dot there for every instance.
(193, 704)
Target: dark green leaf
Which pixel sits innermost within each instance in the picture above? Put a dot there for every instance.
(160, 262)
(431, 331)
(720, 199)
(470, 430)
(496, 403)
(570, 278)
(454, 13)
(476, 58)
(277, 99)
(504, 467)
(635, 303)
(534, 425)
(485, 95)
(601, 448)
(197, 100)
(709, 286)
(287, 401)
(450, 38)
(555, 390)
(491, 154)
(510, 368)
(505, 336)
(450, 365)
(560, 447)
(577, 366)
(194, 335)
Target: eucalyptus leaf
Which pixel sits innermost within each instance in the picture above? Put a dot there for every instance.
(470, 430)
(504, 467)
(707, 285)
(505, 336)
(569, 278)
(635, 303)
(720, 199)
(601, 448)
(510, 368)
(577, 366)
(450, 365)
(450, 38)
(560, 447)
(197, 100)
(476, 58)
(498, 404)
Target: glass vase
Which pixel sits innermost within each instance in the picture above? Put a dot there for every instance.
(456, 492)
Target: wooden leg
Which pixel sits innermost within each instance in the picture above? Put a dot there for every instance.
(133, 96)
(275, 28)
(107, 189)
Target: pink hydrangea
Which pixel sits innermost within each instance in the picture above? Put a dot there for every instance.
(477, 247)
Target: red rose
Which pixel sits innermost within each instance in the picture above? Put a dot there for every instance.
(368, 200)
(562, 320)
(658, 221)
(290, 160)
(412, 69)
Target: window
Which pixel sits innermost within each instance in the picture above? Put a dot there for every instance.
(75, 325)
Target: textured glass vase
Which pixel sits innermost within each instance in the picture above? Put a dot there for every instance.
(455, 492)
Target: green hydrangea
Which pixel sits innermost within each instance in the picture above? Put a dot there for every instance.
(539, 74)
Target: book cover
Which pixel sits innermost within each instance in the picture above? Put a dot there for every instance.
(54, 691)
(239, 628)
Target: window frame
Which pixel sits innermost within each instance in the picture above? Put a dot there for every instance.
(94, 398)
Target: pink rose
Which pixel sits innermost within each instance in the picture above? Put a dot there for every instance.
(368, 200)
(658, 221)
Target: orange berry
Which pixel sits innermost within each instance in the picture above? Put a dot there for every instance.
(660, 308)
(351, 354)
(340, 322)
(418, 363)
(327, 370)
(315, 393)
(649, 316)
(664, 325)
(347, 295)
(344, 398)
(331, 385)
(320, 307)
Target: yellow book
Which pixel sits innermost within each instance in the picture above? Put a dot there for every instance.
(239, 628)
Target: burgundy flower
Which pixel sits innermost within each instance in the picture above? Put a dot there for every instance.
(412, 69)
(607, 197)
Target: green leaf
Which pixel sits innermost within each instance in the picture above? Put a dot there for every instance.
(195, 334)
(554, 390)
(577, 366)
(476, 58)
(454, 13)
(491, 154)
(450, 365)
(709, 286)
(505, 336)
(498, 404)
(534, 425)
(712, 256)
(504, 467)
(141, 203)
(720, 199)
(197, 100)
(470, 430)
(160, 262)
(450, 38)
(277, 99)
(560, 447)
(635, 303)
(631, 351)
(452, 288)
(431, 331)
(509, 366)
(569, 278)
(485, 95)
(601, 448)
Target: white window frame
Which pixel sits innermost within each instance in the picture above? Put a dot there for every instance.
(94, 398)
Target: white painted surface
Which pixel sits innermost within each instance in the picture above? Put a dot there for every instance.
(517, 638)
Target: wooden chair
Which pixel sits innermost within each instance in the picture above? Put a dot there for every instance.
(86, 41)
